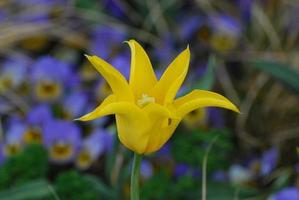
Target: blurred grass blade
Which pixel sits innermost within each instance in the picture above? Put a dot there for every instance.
(204, 169)
(33, 190)
(207, 80)
(101, 187)
(280, 71)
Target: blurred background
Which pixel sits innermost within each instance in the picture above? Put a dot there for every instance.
(244, 49)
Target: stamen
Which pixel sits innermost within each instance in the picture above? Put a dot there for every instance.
(145, 100)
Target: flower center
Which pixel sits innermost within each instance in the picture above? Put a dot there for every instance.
(145, 100)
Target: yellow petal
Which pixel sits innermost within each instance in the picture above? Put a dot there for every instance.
(201, 98)
(96, 113)
(172, 78)
(163, 124)
(114, 78)
(142, 75)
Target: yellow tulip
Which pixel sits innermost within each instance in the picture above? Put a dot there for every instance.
(145, 108)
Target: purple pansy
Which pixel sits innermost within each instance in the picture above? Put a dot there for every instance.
(93, 146)
(146, 169)
(269, 161)
(290, 193)
(62, 139)
(74, 104)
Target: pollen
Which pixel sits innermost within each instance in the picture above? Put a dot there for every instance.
(145, 100)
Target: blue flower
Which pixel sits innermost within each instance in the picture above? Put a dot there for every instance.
(75, 104)
(35, 121)
(106, 41)
(114, 7)
(2, 156)
(269, 161)
(39, 115)
(146, 169)
(62, 139)
(181, 170)
(290, 193)
(13, 73)
(49, 76)
(13, 140)
(95, 145)
(226, 32)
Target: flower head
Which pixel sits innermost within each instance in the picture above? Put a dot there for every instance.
(62, 139)
(48, 76)
(93, 146)
(146, 110)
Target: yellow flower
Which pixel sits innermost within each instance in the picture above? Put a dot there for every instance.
(145, 108)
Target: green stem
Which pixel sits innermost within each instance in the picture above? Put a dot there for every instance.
(135, 177)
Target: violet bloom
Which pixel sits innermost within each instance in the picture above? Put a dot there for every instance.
(269, 161)
(95, 145)
(215, 118)
(290, 193)
(181, 170)
(13, 73)
(2, 156)
(114, 7)
(49, 77)
(62, 139)
(146, 169)
(36, 119)
(75, 104)
(226, 32)
(190, 26)
(13, 140)
(220, 176)
(106, 40)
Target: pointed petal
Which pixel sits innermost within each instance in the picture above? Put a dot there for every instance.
(163, 124)
(201, 98)
(172, 78)
(142, 75)
(96, 113)
(114, 78)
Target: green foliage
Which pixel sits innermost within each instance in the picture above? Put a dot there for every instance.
(37, 189)
(161, 186)
(194, 145)
(156, 187)
(72, 185)
(30, 164)
(280, 71)
(207, 80)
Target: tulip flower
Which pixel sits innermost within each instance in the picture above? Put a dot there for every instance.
(145, 108)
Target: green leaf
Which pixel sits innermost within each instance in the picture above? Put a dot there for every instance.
(207, 81)
(281, 71)
(30, 190)
(100, 186)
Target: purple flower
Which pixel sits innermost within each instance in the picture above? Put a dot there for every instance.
(290, 193)
(39, 115)
(2, 156)
(114, 7)
(181, 170)
(94, 146)
(220, 176)
(49, 76)
(225, 24)
(13, 73)
(146, 169)
(13, 141)
(190, 26)
(48, 68)
(62, 139)
(106, 39)
(269, 161)
(122, 64)
(215, 117)
(74, 105)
